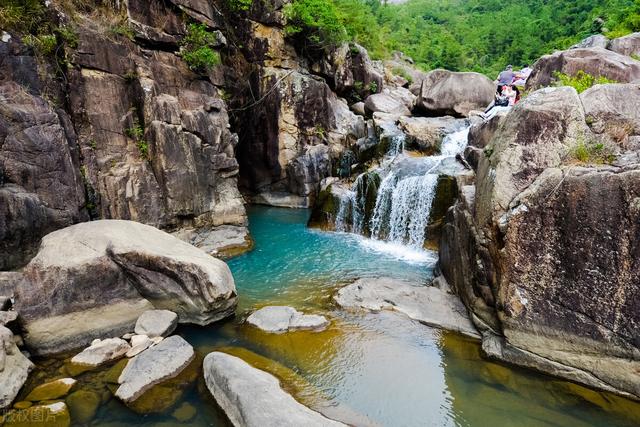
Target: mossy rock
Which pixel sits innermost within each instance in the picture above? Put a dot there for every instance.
(22, 405)
(51, 390)
(83, 406)
(51, 415)
(325, 210)
(184, 413)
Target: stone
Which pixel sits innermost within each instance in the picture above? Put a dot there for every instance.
(457, 94)
(139, 343)
(597, 62)
(14, 368)
(425, 134)
(7, 317)
(359, 108)
(83, 406)
(613, 109)
(279, 319)
(159, 363)
(597, 40)
(426, 304)
(628, 45)
(52, 390)
(399, 66)
(22, 405)
(102, 352)
(222, 242)
(156, 323)
(385, 103)
(5, 303)
(133, 267)
(184, 413)
(54, 414)
(253, 398)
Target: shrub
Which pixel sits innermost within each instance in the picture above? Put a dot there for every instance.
(197, 48)
(315, 24)
(593, 152)
(581, 81)
(43, 45)
(239, 5)
(23, 16)
(136, 132)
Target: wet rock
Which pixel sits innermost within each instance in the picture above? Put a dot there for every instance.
(597, 62)
(52, 390)
(139, 343)
(156, 323)
(133, 267)
(426, 304)
(51, 415)
(14, 368)
(425, 134)
(101, 352)
(184, 413)
(83, 406)
(253, 398)
(450, 93)
(278, 319)
(597, 40)
(628, 45)
(161, 362)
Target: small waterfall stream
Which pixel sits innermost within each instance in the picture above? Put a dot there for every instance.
(404, 200)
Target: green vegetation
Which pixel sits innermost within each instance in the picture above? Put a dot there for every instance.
(136, 132)
(197, 48)
(239, 5)
(22, 16)
(44, 45)
(581, 81)
(592, 152)
(471, 35)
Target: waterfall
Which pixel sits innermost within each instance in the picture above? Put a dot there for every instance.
(396, 145)
(344, 211)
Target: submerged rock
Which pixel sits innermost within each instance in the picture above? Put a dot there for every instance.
(51, 415)
(52, 390)
(426, 304)
(95, 279)
(156, 323)
(14, 368)
(161, 362)
(101, 352)
(278, 319)
(253, 398)
(83, 406)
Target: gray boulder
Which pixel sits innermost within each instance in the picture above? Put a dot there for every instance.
(14, 368)
(278, 319)
(597, 40)
(597, 62)
(153, 366)
(95, 279)
(425, 134)
(426, 304)
(101, 352)
(156, 323)
(457, 94)
(627, 45)
(385, 103)
(253, 398)
(613, 109)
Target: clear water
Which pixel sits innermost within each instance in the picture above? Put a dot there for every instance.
(366, 369)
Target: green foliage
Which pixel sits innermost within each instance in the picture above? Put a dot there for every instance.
(581, 81)
(315, 24)
(239, 5)
(22, 16)
(373, 87)
(197, 48)
(624, 20)
(124, 30)
(136, 132)
(592, 152)
(399, 71)
(44, 45)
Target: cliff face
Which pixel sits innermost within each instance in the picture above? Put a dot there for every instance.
(116, 125)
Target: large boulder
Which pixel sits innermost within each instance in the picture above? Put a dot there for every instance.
(14, 368)
(385, 103)
(253, 398)
(597, 62)
(596, 40)
(425, 134)
(95, 279)
(450, 93)
(544, 250)
(627, 45)
(613, 109)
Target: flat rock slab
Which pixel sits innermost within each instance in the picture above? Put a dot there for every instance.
(153, 366)
(139, 343)
(51, 390)
(102, 351)
(279, 319)
(253, 398)
(156, 323)
(426, 304)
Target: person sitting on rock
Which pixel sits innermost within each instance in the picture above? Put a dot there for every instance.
(505, 78)
(522, 76)
(511, 95)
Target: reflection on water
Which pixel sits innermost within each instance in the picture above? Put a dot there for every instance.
(365, 369)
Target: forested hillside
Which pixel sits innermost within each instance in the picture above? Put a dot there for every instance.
(478, 35)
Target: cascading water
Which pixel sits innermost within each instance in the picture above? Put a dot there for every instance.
(403, 203)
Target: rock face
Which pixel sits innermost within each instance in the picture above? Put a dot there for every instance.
(449, 93)
(543, 251)
(14, 368)
(425, 134)
(95, 279)
(627, 45)
(426, 304)
(278, 319)
(597, 40)
(156, 323)
(613, 109)
(161, 362)
(253, 398)
(40, 185)
(594, 61)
